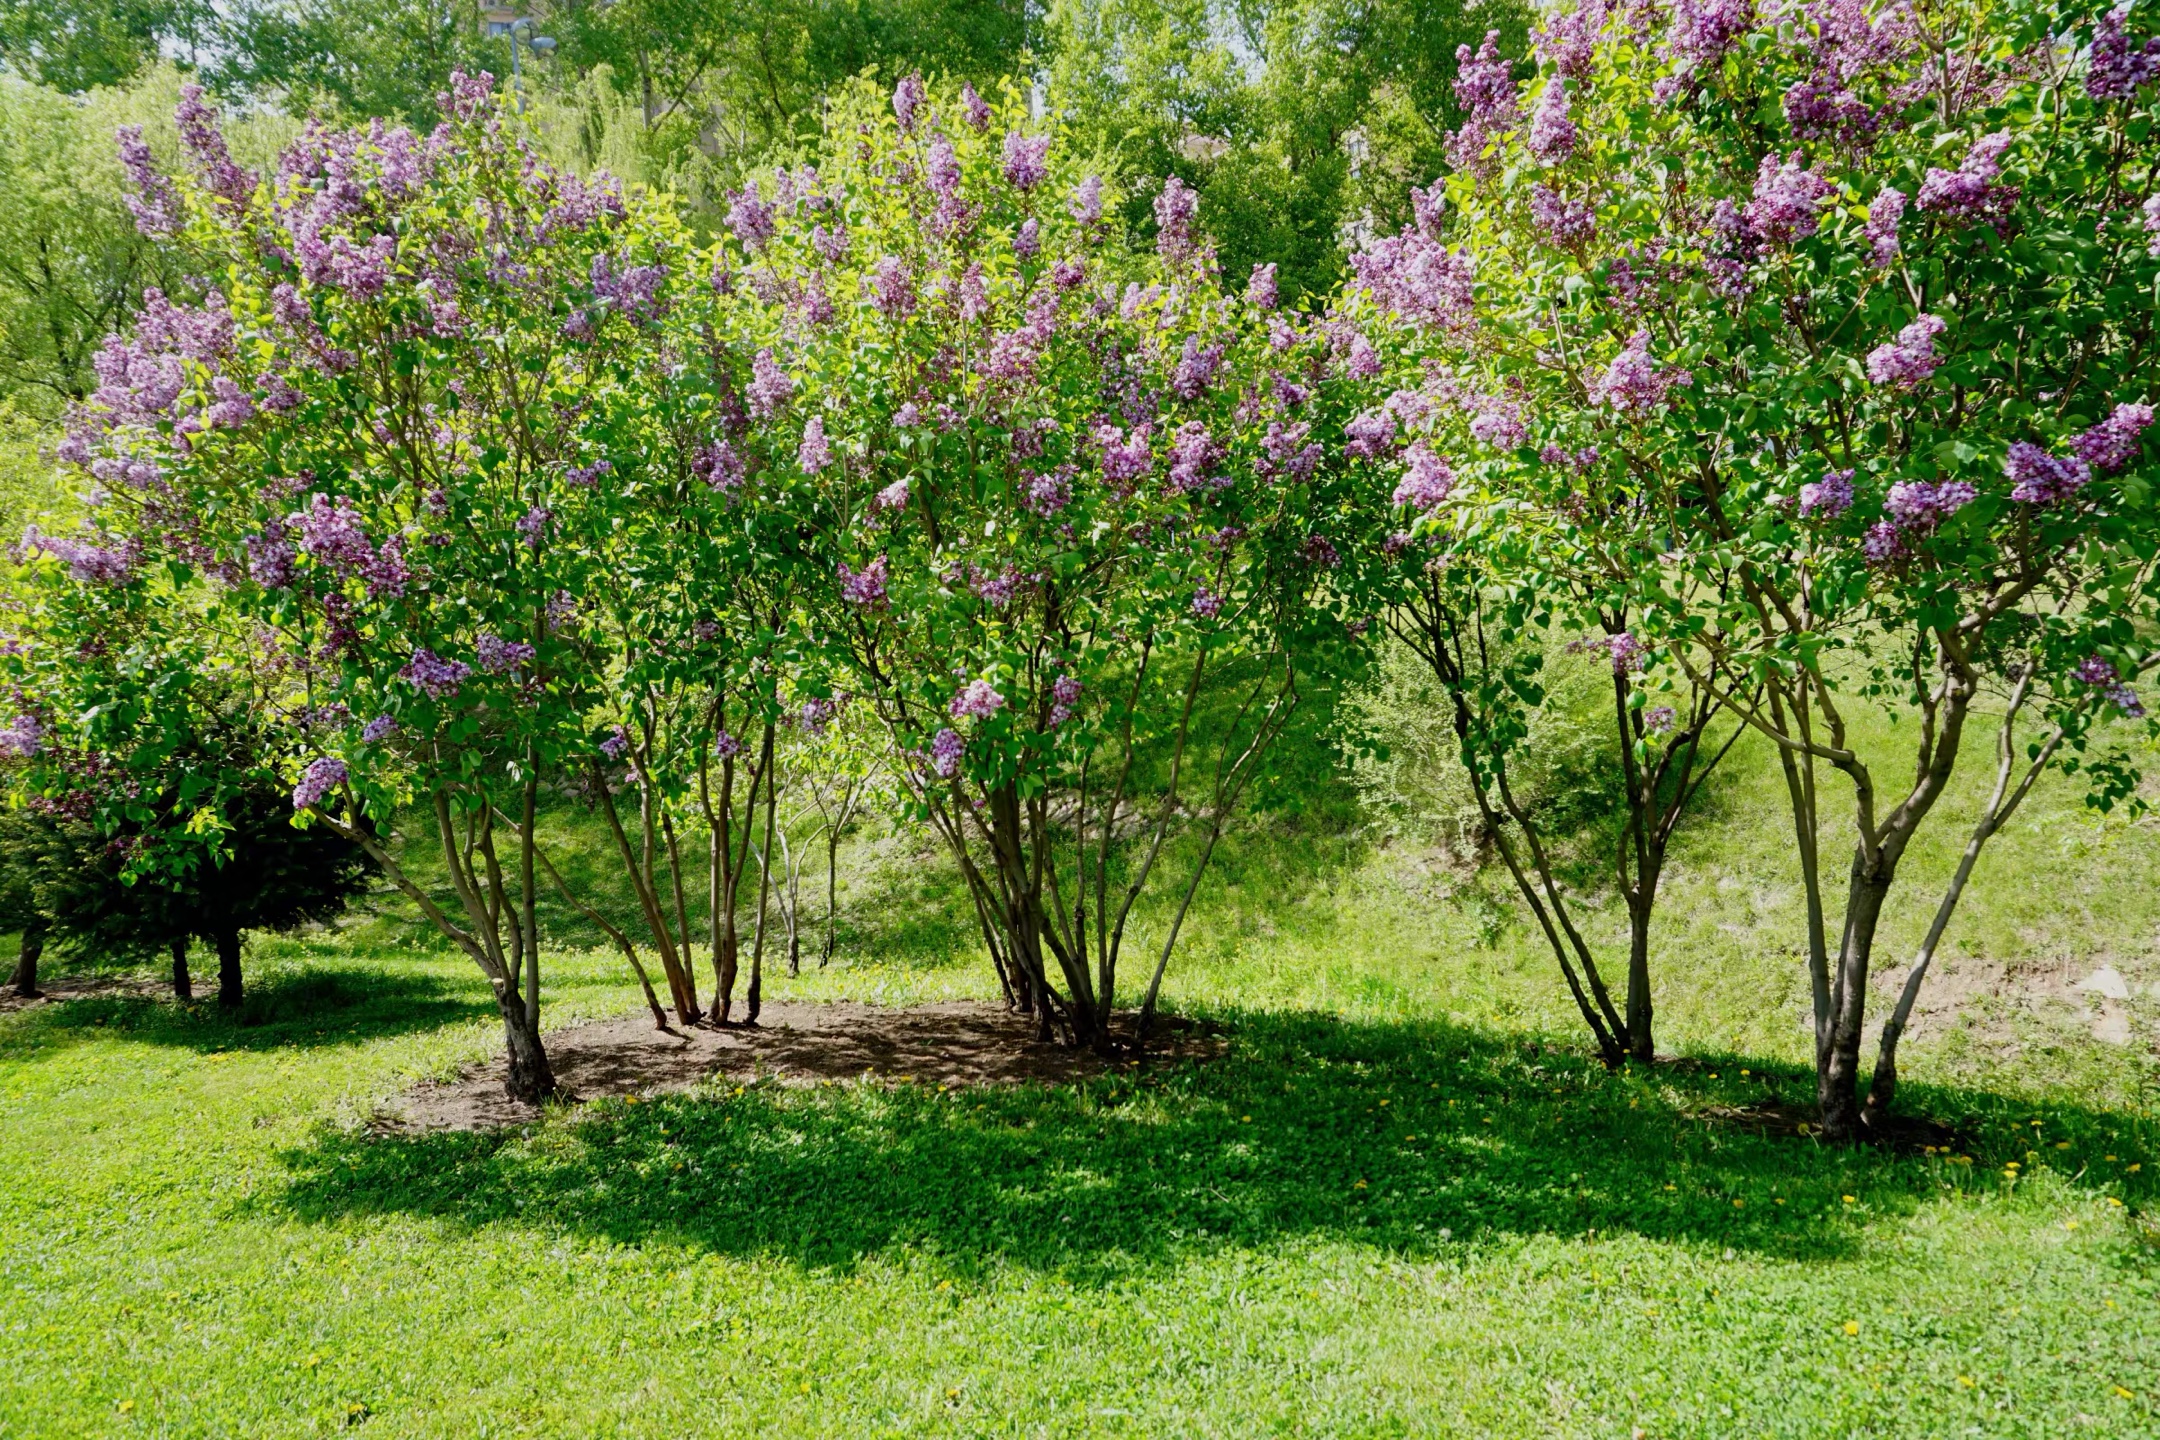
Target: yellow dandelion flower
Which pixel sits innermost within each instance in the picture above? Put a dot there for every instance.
(1852, 1327)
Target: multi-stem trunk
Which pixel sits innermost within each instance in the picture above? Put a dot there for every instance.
(183, 984)
(227, 941)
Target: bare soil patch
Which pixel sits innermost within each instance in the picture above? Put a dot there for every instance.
(955, 1043)
(1906, 1134)
(54, 989)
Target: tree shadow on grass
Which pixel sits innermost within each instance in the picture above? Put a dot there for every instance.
(1416, 1139)
(310, 1008)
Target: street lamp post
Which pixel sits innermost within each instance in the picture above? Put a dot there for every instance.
(507, 24)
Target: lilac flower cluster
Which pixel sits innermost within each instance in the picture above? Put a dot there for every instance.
(1659, 719)
(321, 777)
(1703, 33)
(23, 738)
(1919, 507)
(815, 451)
(1046, 495)
(1087, 202)
(720, 465)
(1829, 497)
(1065, 694)
(1177, 208)
(1635, 384)
(1427, 481)
(1567, 40)
(1026, 160)
(2038, 478)
(1624, 651)
(1193, 454)
(1882, 224)
(892, 288)
(1969, 193)
(584, 476)
(151, 198)
(436, 677)
(634, 291)
(86, 563)
(1420, 279)
(1286, 450)
(532, 525)
(1565, 224)
(1485, 88)
(1127, 456)
(377, 730)
(1910, 359)
(994, 589)
(1320, 551)
(1563, 458)
(1369, 436)
(907, 102)
(198, 125)
(616, 743)
(976, 700)
(864, 587)
(1498, 423)
(2119, 68)
(2115, 441)
(1551, 138)
(2102, 676)
(1788, 200)
(1261, 291)
(946, 747)
(770, 388)
(750, 218)
(976, 108)
(497, 655)
(1206, 603)
(1196, 369)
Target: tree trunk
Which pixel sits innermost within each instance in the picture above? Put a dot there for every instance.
(529, 1077)
(228, 969)
(1837, 1077)
(1639, 1043)
(832, 895)
(24, 979)
(183, 984)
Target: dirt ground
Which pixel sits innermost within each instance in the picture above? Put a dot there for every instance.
(796, 1043)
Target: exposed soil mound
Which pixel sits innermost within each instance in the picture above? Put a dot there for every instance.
(795, 1042)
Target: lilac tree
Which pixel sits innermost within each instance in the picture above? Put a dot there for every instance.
(1070, 496)
(1852, 308)
(370, 458)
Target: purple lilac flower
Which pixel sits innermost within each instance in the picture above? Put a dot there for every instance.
(1829, 497)
(1788, 200)
(2115, 441)
(995, 590)
(2038, 478)
(1048, 494)
(815, 452)
(1369, 436)
(533, 525)
(770, 388)
(1485, 88)
(1288, 450)
(833, 243)
(721, 466)
(152, 200)
(1703, 33)
(1027, 240)
(1127, 458)
(1659, 719)
(1420, 279)
(467, 96)
(1624, 651)
(1499, 424)
(1193, 453)
(23, 738)
(497, 655)
(377, 730)
(1068, 274)
(1320, 550)
(318, 780)
(1635, 384)
(1910, 359)
(633, 291)
(437, 677)
(1086, 204)
(976, 701)
(892, 497)
(907, 100)
(1567, 40)
(2152, 224)
(198, 125)
(2118, 68)
(616, 743)
(1427, 481)
(584, 476)
(1566, 224)
(1196, 369)
(1884, 543)
(892, 288)
(750, 218)
(1563, 458)
(978, 109)
(1206, 603)
(1552, 133)
(1176, 208)
(2102, 676)
(946, 748)
(1969, 192)
(1026, 160)
(1882, 224)
(1065, 696)
(864, 587)
(561, 611)
(1919, 506)
(2093, 670)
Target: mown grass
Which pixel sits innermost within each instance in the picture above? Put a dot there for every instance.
(1404, 1202)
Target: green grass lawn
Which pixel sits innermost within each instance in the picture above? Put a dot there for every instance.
(1405, 1202)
